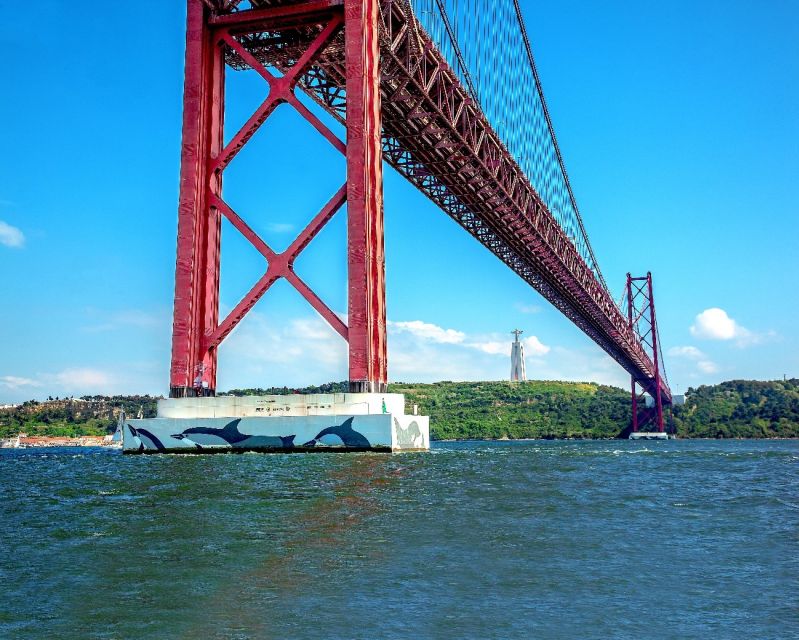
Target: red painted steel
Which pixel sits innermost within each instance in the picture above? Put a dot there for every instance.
(366, 261)
(436, 137)
(641, 311)
(380, 69)
(211, 36)
(655, 354)
(197, 268)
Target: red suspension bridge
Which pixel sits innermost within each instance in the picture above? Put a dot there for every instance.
(447, 93)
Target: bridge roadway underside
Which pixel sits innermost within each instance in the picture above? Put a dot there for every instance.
(436, 136)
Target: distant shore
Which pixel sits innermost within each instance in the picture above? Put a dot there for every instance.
(536, 409)
(577, 439)
(24, 441)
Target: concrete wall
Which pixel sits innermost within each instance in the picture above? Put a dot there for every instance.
(323, 422)
(322, 404)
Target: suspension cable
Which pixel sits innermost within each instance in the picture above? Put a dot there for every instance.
(534, 69)
(461, 61)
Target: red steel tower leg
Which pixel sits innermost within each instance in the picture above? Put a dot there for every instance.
(367, 295)
(197, 269)
(630, 311)
(656, 355)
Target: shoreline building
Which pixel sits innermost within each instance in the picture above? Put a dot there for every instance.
(517, 369)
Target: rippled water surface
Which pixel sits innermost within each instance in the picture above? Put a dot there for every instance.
(679, 539)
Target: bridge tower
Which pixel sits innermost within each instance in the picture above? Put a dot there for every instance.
(646, 416)
(215, 40)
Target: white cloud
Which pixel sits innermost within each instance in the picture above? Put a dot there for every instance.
(493, 344)
(427, 331)
(264, 351)
(71, 381)
(686, 352)
(136, 318)
(83, 379)
(16, 382)
(534, 347)
(706, 366)
(11, 236)
(132, 376)
(280, 227)
(411, 360)
(492, 347)
(529, 308)
(415, 357)
(716, 324)
(703, 363)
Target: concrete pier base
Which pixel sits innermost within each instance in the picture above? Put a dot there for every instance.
(290, 423)
(649, 435)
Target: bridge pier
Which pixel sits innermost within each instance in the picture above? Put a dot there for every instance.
(337, 422)
(213, 41)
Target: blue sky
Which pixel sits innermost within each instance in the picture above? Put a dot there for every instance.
(679, 127)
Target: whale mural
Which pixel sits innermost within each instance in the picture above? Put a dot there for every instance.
(230, 436)
(145, 439)
(343, 432)
(289, 434)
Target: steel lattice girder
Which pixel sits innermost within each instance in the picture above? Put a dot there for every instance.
(438, 139)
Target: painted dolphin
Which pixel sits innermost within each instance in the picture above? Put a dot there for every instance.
(231, 436)
(145, 439)
(200, 440)
(186, 439)
(345, 432)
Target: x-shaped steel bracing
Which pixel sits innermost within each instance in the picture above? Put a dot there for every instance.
(279, 264)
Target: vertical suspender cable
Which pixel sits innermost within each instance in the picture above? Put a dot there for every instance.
(531, 60)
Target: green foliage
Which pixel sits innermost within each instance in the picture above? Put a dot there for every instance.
(740, 409)
(484, 410)
(86, 416)
(329, 387)
(533, 409)
(544, 409)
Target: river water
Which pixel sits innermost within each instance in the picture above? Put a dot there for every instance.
(616, 539)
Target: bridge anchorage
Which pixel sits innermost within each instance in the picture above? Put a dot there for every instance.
(450, 99)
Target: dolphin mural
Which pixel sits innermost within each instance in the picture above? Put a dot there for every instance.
(145, 439)
(348, 436)
(230, 436)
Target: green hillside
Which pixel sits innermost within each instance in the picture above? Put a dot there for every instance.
(741, 409)
(533, 409)
(86, 416)
(486, 410)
